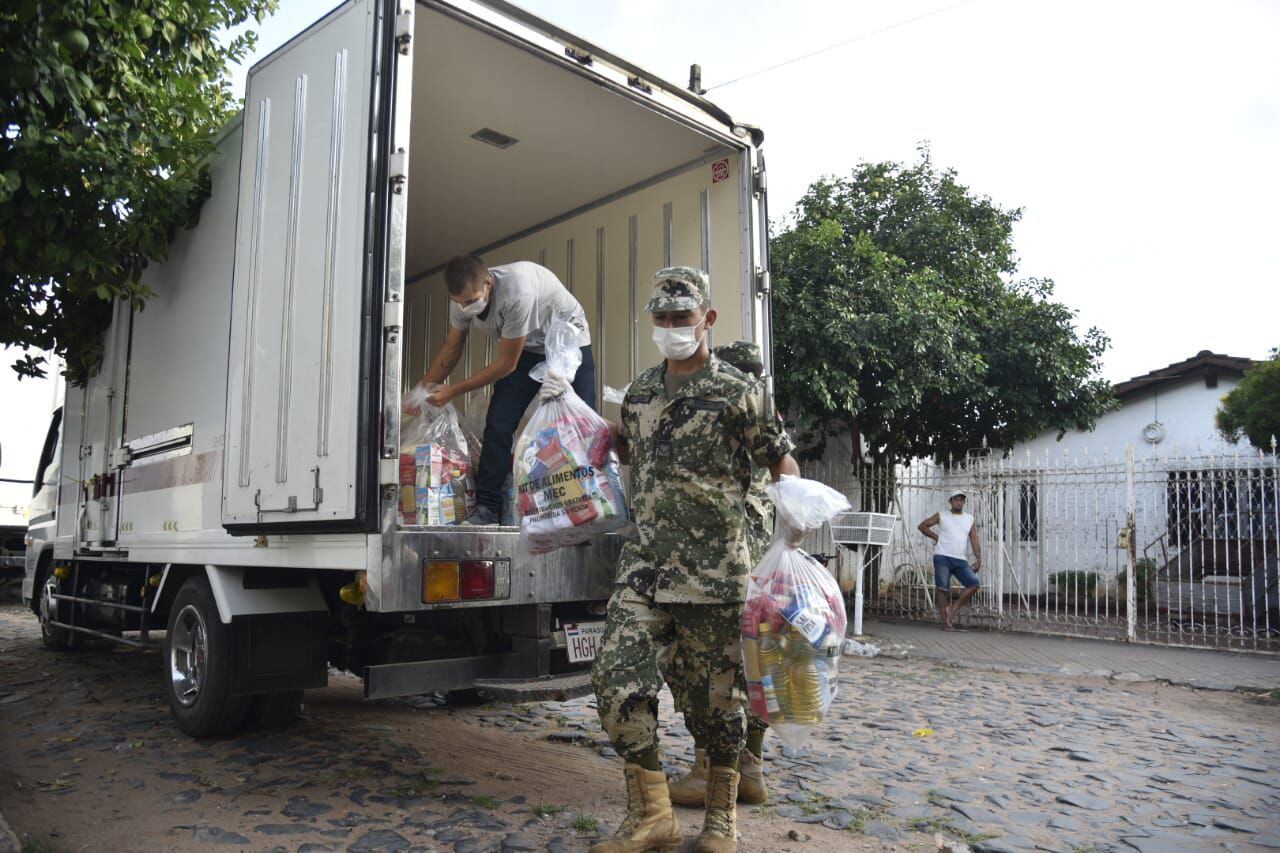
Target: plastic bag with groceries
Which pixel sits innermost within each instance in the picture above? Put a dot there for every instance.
(566, 473)
(793, 620)
(437, 486)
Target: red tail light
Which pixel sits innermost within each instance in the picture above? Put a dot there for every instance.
(477, 579)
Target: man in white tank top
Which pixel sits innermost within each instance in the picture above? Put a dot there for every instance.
(956, 530)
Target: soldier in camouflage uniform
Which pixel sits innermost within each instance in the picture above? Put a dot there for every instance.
(692, 429)
(691, 789)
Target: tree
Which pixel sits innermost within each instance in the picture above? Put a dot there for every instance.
(1252, 408)
(897, 323)
(111, 108)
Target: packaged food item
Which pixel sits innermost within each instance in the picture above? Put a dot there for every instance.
(793, 619)
(436, 482)
(566, 480)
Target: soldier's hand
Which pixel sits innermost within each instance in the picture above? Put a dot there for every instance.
(793, 536)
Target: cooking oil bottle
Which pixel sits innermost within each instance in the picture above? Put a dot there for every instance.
(773, 673)
(804, 681)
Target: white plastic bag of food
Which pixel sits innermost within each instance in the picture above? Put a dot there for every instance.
(616, 395)
(436, 482)
(793, 620)
(566, 473)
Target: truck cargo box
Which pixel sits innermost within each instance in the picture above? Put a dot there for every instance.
(243, 431)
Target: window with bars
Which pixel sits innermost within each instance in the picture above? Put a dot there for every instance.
(1028, 512)
(1237, 503)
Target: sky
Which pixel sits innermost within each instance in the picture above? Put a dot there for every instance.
(1141, 139)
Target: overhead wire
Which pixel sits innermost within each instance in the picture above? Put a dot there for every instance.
(838, 45)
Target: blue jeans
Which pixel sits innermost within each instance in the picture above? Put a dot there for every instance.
(511, 396)
(944, 567)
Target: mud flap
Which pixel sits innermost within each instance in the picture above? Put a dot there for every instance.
(279, 651)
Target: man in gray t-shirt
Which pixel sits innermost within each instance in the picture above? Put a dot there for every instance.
(514, 304)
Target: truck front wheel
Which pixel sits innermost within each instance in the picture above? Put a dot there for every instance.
(197, 656)
(54, 637)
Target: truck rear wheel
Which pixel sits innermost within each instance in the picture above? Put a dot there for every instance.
(273, 710)
(56, 638)
(197, 655)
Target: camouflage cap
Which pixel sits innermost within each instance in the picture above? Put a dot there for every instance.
(679, 289)
(743, 355)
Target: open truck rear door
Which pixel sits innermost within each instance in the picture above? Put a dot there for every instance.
(303, 420)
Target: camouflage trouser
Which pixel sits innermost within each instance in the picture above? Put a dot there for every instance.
(675, 671)
(627, 679)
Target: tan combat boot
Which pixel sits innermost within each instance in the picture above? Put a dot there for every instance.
(650, 823)
(720, 827)
(691, 789)
(751, 788)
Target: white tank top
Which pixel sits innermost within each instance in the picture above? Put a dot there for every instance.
(953, 534)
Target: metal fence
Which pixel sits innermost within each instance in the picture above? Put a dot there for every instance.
(1177, 549)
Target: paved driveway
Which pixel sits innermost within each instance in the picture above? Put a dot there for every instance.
(998, 760)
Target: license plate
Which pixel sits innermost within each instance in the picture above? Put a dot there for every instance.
(582, 640)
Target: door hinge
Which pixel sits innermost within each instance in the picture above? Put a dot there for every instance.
(762, 282)
(404, 30)
(759, 181)
(393, 315)
(398, 170)
(121, 457)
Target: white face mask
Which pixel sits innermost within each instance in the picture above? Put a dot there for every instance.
(475, 309)
(677, 343)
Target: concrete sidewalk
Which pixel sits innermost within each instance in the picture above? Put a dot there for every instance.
(1042, 654)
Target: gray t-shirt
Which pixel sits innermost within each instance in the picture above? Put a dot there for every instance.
(526, 296)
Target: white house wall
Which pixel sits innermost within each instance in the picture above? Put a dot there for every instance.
(1186, 412)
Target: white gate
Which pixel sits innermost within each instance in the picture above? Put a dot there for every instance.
(1179, 549)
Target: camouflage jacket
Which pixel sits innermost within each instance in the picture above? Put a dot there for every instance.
(759, 515)
(691, 477)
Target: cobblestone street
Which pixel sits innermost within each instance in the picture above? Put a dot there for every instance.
(918, 750)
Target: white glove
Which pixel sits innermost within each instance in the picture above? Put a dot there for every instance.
(553, 386)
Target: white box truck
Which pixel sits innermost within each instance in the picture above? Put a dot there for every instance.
(234, 463)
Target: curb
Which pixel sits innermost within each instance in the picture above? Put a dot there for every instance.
(9, 842)
(900, 652)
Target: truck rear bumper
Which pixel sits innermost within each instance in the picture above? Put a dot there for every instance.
(550, 688)
(498, 675)
(577, 573)
(410, 679)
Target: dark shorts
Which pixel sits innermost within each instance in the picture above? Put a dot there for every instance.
(945, 568)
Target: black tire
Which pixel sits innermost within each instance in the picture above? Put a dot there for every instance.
(197, 664)
(273, 710)
(54, 638)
